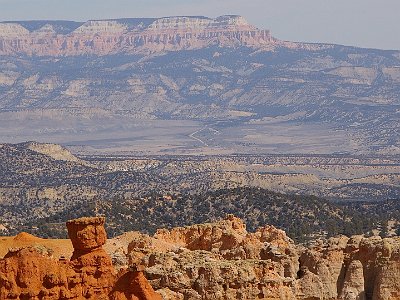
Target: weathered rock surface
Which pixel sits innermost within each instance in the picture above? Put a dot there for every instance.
(223, 261)
(356, 268)
(87, 234)
(218, 260)
(353, 285)
(31, 272)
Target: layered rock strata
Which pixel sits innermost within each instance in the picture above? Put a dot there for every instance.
(31, 273)
(101, 37)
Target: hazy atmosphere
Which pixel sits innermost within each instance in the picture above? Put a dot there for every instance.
(364, 23)
(200, 149)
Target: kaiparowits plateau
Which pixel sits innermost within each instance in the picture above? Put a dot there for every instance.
(193, 85)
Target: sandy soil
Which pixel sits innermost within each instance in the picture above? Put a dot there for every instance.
(61, 247)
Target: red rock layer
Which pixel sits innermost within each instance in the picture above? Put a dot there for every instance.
(31, 273)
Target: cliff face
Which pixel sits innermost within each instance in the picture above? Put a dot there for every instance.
(102, 37)
(31, 273)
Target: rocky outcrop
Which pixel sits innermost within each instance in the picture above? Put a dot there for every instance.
(32, 273)
(353, 285)
(209, 261)
(203, 275)
(101, 37)
(228, 239)
(87, 235)
(356, 268)
(219, 261)
(223, 261)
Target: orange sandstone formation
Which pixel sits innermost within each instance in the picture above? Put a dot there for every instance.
(31, 273)
(219, 261)
(210, 261)
(223, 261)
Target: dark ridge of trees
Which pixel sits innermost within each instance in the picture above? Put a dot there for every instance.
(302, 217)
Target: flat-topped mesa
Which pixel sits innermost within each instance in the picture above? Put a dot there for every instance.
(102, 37)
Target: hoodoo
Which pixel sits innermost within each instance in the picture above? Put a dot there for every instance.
(31, 272)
